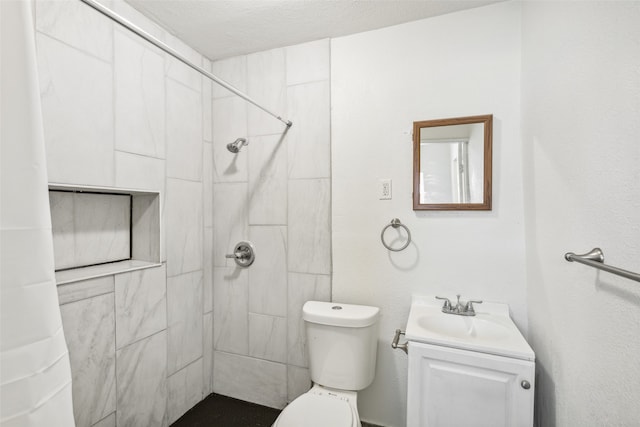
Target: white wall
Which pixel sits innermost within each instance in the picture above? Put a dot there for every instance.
(581, 117)
(455, 65)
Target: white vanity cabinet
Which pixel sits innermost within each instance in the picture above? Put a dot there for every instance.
(456, 387)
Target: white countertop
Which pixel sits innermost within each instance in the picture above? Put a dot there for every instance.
(490, 331)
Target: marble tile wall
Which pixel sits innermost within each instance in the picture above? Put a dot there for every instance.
(185, 320)
(275, 193)
(89, 329)
(119, 112)
(142, 382)
(77, 112)
(140, 305)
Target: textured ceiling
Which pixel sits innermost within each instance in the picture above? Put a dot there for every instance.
(224, 28)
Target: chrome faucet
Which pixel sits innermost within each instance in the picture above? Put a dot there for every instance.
(461, 308)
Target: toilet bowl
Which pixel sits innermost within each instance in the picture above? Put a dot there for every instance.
(342, 344)
(321, 407)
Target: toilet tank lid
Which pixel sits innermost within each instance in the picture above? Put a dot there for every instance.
(338, 314)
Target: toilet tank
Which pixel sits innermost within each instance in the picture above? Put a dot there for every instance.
(342, 343)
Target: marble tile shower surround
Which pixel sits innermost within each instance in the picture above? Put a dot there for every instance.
(184, 132)
(89, 331)
(185, 390)
(77, 112)
(118, 112)
(184, 320)
(184, 226)
(275, 193)
(140, 305)
(139, 75)
(142, 382)
(267, 166)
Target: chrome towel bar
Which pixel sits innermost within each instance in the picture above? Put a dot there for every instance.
(595, 259)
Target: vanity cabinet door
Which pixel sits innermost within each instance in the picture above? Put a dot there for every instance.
(452, 387)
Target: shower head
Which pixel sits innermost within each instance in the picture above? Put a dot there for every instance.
(236, 145)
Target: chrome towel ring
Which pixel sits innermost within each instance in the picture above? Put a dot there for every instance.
(395, 223)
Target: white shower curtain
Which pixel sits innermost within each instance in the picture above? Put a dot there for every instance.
(35, 377)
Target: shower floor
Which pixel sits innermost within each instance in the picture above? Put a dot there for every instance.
(217, 410)
(222, 411)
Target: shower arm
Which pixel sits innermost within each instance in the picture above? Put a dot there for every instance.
(160, 45)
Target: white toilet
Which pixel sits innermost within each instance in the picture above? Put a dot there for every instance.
(342, 344)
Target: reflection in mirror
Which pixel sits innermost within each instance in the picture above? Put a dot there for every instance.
(452, 164)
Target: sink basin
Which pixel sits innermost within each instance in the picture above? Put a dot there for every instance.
(491, 330)
(464, 327)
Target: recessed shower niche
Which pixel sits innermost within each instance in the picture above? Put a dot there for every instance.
(99, 231)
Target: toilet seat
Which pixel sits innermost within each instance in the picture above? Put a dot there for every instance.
(313, 410)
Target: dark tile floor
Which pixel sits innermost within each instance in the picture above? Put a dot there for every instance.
(221, 411)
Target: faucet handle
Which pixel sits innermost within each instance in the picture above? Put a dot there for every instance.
(469, 306)
(447, 303)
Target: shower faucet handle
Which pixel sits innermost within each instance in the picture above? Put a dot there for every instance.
(243, 254)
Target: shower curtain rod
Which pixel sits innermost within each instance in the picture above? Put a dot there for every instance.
(135, 29)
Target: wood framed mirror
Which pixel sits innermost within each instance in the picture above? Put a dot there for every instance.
(452, 163)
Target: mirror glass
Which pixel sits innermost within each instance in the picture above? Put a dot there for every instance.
(452, 164)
